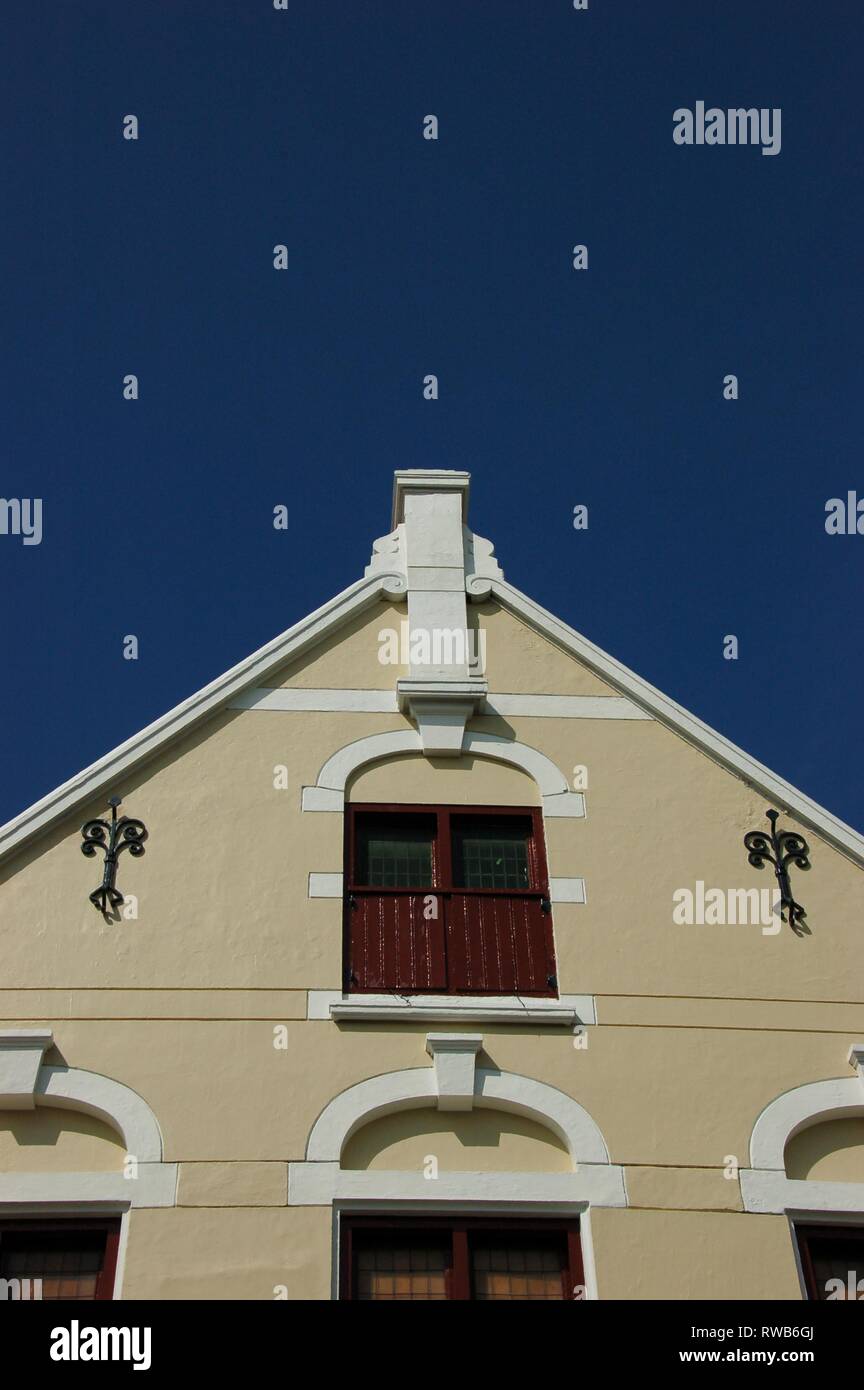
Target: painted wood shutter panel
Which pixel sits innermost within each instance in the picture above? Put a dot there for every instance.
(393, 945)
(497, 944)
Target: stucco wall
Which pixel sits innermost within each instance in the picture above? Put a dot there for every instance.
(698, 1027)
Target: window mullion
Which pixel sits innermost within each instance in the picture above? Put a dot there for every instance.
(446, 851)
(461, 1284)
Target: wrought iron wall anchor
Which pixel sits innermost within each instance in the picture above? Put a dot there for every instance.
(780, 848)
(113, 838)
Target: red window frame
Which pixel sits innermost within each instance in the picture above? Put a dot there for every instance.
(108, 1226)
(539, 978)
(461, 1229)
(808, 1235)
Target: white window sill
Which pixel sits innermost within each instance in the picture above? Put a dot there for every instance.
(568, 1010)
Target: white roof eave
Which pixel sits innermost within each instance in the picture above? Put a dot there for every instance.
(179, 720)
(667, 712)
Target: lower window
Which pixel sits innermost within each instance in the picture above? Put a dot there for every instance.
(832, 1259)
(420, 1259)
(59, 1259)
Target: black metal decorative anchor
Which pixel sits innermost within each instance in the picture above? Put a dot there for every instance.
(113, 838)
(780, 848)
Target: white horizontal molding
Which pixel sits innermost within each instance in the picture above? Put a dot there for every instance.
(154, 1186)
(329, 790)
(567, 1011)
(325, 885)
(569, 804)
(293, 700)
(318, 1184)
(318, 701)
(567, 890)
(770, 1191)
(565, 706)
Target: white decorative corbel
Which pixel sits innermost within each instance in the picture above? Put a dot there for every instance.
(21, 1053)
(856, 1059)
(388, 562)
(455, 1058)
(441, 710)
(481, 567)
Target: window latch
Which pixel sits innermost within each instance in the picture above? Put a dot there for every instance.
(545, 905)
(552, 981)
(352, 901)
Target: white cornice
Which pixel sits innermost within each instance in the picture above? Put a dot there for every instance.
(428, 480)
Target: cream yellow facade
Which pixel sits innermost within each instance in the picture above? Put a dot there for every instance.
(215, 1005)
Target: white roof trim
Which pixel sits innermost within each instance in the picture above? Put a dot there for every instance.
(349, 604)
(842, 836)
(288, 645)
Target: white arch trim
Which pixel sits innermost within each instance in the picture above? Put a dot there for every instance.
(593, 1181)
(328, 794)
(765, 1186)
(404, 1090)
(110, 1101)
(25, 1083)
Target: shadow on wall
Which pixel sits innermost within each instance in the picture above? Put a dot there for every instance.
(49, 1139)
(477, 1141)
(828, 1152)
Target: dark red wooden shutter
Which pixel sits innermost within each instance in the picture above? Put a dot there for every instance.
(498, 944)
(393, 945)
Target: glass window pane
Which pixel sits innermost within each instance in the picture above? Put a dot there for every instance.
(395, 854)
(68, 1263)
(404, 1272)
(518, 1269)
(491, 853)
(838, 1267)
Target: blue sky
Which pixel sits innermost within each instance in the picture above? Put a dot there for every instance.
(406, 257)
